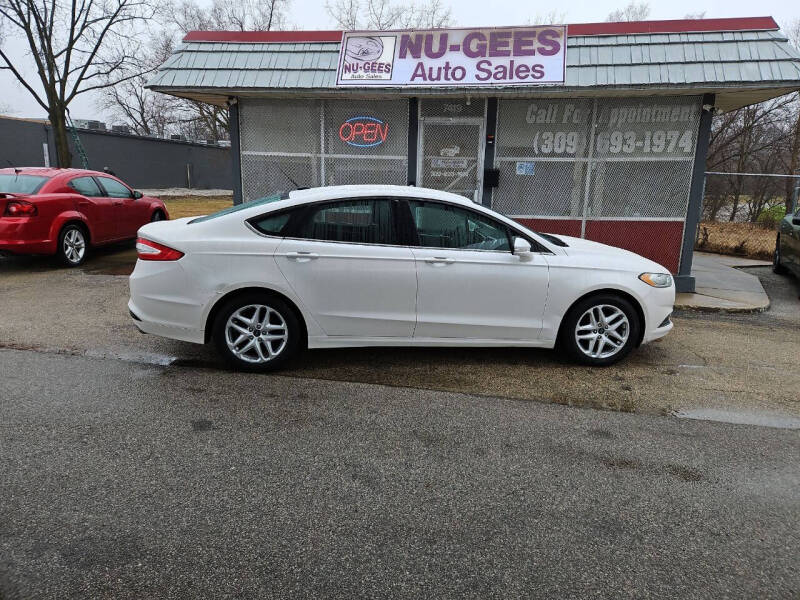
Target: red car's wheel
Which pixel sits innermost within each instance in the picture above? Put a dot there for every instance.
(72, 245)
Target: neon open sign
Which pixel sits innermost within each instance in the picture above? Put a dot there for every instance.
(363, 132)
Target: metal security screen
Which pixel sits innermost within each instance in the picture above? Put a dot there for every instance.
(596, 159)
(451, 146)
(306, 143)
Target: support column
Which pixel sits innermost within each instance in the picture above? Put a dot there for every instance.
(413, 137)
(684, 282)
(489, 152)
(236, 149)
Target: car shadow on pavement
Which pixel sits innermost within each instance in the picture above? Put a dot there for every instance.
(114, 259)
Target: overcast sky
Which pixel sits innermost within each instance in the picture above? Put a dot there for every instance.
(310, 14)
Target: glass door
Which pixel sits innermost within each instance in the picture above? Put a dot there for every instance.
(450, 156)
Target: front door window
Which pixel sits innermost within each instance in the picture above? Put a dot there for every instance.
(451, 156)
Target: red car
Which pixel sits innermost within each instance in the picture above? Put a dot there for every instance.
(64, 211)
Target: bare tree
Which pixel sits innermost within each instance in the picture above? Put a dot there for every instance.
(635, 11)
(791, 162)
(748, 140)
(697, 15)
(551, 17)
(145, 112)
(152, 113)
(386, 14)
(75, 46)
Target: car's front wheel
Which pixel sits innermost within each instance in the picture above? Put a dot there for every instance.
(72, 245)
(777, 267)
(257, 332)
(600, 330)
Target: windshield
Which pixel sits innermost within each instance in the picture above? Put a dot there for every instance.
(242, 206)
(21, 184)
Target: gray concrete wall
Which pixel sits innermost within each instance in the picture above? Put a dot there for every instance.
(141, 162)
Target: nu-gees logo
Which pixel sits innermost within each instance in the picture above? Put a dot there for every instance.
(363, 132)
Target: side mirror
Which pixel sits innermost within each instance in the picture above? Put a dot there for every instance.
(137, 194)
(522, 249)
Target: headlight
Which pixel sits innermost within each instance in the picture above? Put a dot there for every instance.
(658, 280)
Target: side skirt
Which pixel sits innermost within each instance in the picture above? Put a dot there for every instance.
(348, 342)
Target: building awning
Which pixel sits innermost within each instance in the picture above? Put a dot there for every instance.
(742, 61)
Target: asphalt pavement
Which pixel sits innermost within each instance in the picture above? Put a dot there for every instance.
(125, 480)
(744, 366)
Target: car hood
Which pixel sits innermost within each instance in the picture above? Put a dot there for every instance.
(603, 255)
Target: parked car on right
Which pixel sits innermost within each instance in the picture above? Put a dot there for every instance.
(787, 246)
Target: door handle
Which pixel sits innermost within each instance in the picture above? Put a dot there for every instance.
(302, 256)
(440, 260)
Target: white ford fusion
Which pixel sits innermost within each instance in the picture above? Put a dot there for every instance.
(388, 266)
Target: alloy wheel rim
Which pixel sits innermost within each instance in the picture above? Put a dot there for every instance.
(74, 245)
(256, 333)
(602, 331)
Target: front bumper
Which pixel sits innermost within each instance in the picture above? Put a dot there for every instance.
(658, 304)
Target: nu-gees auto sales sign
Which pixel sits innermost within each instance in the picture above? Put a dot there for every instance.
(453, 57)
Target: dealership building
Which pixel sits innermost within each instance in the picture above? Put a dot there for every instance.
(591, 130)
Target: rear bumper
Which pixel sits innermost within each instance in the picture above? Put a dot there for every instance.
(162, 304)
(16, 238)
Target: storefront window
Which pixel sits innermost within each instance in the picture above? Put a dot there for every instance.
(594, 159)
(309, 143)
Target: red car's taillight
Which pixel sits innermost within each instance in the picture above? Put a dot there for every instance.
(20, 208)
(150, 250)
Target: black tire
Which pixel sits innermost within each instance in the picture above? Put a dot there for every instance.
(157, 216)
(73, 245)
(262, 345)
(777, 267)
(567, 337)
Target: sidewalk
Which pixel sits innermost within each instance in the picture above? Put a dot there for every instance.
(720, 286)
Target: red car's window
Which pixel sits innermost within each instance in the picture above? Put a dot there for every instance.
(86, 186)
(114, 189)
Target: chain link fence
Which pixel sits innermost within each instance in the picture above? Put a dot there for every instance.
(741, 212)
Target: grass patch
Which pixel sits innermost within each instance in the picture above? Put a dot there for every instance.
(194, 206)
(753, 240)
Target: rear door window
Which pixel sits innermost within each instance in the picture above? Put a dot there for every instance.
(272, 224)
(369, 221)
(86, 186)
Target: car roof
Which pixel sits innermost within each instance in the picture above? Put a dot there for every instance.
(334, 192)
(47, 171)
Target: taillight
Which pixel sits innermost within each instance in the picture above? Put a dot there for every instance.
(150, 250)
(20, 208)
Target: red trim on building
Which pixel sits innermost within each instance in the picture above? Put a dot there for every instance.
(659, 241)
(571, 227)
(673, 26)
(255, 37)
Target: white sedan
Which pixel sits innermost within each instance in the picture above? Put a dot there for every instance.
(388, 266)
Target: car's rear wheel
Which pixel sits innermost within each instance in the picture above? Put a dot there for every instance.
(777, 267)
(600, 330)
(257, 332)
(72, 245)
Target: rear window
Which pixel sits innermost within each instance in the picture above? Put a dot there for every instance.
(242, 206)
(21, 184)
